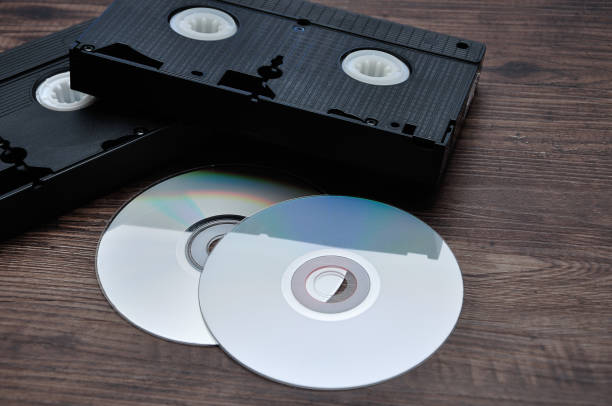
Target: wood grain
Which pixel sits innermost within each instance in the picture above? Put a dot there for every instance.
(525, 206)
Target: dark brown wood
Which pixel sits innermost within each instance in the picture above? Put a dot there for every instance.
(526, 207)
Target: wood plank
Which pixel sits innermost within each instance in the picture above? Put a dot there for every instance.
(525, 206)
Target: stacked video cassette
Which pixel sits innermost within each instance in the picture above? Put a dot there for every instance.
(341, 86)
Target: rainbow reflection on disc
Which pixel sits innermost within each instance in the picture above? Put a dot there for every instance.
(152, 253)
(331, 292)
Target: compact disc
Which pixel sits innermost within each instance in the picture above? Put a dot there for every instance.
(331, 292)
(152, 253)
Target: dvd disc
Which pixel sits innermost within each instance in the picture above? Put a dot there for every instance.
(331, 292)
(151, 255)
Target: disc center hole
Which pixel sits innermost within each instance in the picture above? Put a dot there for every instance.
(325, 283)
(213, 243)
(205, 235)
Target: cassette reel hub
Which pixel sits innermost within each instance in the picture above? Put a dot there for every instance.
(55, 93)
(375, 67)
(204, 24)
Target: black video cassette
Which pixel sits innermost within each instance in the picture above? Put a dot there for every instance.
(59, 147)
(346, 87)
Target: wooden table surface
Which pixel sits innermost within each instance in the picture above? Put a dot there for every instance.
(525, 206)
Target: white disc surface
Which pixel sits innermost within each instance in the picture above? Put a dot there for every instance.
(150, 257)
(331, 292)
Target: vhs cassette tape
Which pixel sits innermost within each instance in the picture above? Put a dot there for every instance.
(342, 86)
(59, 147)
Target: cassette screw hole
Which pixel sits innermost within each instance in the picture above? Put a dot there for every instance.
(395, 124)
(270, 72)
(409, 129)
(303, 22)
(88, 48)
(371, 121)
(197, 73)
(297, 28)
(462, 45)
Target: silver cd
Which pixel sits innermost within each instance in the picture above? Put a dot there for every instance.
(151, 255)
(331, 292)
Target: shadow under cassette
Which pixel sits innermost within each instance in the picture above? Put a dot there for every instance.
(152, 253)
